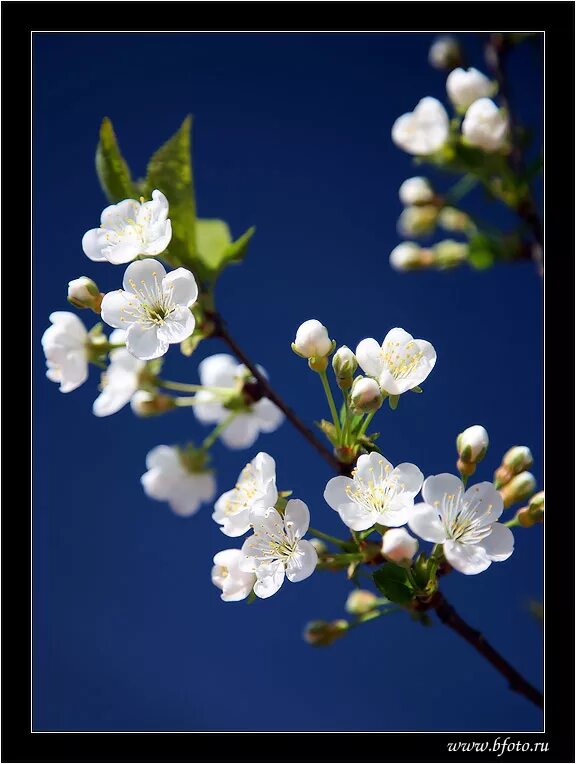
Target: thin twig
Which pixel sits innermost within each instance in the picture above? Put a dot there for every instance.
(450, 618)
(269, 392)
(496, 50)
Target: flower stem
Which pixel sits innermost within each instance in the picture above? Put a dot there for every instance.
(220, 330)
(211, 439)
(189, 400)
(513, 523)
(365, 423)
(330, 399)
(180, 386)
(326, 537)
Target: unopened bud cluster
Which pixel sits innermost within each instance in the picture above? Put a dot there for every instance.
(533, 513)
(515, 460)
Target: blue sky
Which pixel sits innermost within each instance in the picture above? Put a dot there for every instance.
(291, 134)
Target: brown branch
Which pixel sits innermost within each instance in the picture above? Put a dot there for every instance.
(496, 50)
(268, 391)
(516, 681)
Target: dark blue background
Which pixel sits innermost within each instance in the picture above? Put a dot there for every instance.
(292, 134)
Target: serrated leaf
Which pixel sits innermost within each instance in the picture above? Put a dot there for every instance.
(111, 167)
(392, 580)
(170, 171)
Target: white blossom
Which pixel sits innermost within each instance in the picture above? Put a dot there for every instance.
(84, 293)
(169, 479)
(256, 487)
(277, 548)
(153, 307)
(223, 371)
(416, 190)
(464, 522)
(120, 380)
(65, 346)
(472, 443)
(235, 583)
(424, 130)
(398, 545)
(409, 256)
(399, 364)
(377, 492)
(485, 125)
(129, 229)
(312, 340)
(365, 395)
(464, 86)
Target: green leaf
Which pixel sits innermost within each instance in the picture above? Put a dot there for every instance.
(215, 248)
(170, 171)
(392, 580)
(481, 252)
(111, 167)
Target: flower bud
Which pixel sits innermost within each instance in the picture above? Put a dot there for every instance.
(418, 220)
(365, 395)
(445, 53)
(485, 126)
(319, 546)
(472, 444)
(451, 219)
(344, 364)
(450, 253)
(519, 488)
(464, 86)
(410, 256)
(399, 546)
(84, 293)
(416, 191)
(360, 601)
(312, 340)
(323, 633)
(533, 513)
(514, 461)
(146, 404)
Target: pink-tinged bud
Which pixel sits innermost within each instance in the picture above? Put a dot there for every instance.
(399, 546)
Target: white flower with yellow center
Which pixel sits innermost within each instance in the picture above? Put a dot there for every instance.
(223, 371)
(464, 522)
(399, 364)
(377, 492)
(256, 486)
(129, 229)
(65, 346)
(235, 584)
(169, 479)
(153, 307)
(277, 549)
(424, 130)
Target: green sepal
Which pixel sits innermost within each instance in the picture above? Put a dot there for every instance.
(416, 389)
(393, 401)
(329, 430)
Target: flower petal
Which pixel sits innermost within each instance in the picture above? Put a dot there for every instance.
(499, 545)
(268, 415)
(335, 493)
(144, 343)
(369, 356)
(178, 325)
(144, 276)
(424, 521)
(157, 239)
(183, 286)
(227, 558)
(487, 501)
(269, 579)
(372, 466)
(437, 486)
(356, 517)
(396, 336)
(303, 563)
(397, 513)
(112, 399)
(296, 518)
(409, 476)
(469, 559)
(207, 409)
(241, 432)
(117, 308)
(264, 467)
(165, 458)
(116, 215)
(93, 242)
(218, 370)
(118, 254)
(235, 525)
